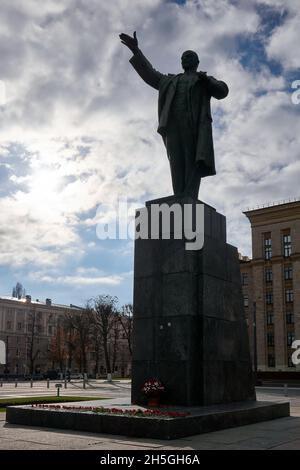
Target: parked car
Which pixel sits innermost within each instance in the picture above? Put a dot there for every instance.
(33, 377)
(51, 374)
(76, 376)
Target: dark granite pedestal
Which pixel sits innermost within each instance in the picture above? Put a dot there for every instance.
(198, 420)
(189, 326)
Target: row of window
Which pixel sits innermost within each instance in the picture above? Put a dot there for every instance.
(287, 275)
(18, 354)
(286, 245)
(289, 296)
(272, 363)
(290, 338)
(289, 318)
(20, 327)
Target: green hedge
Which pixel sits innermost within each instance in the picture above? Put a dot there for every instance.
(4, 402)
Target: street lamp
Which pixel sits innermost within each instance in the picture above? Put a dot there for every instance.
(254, 341)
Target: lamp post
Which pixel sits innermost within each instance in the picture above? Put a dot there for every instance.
(254, 341)
(6, 369)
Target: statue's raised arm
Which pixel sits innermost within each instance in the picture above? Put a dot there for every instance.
(143, 67)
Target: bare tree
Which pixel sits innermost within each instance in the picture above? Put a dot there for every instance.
(71, 342)
(18, 291)
(96, 340)
(58, 347)
(115, 343)
(105, 318)
(80, 322)
(126, 321)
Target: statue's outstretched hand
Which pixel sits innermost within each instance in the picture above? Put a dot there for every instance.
(130, 42)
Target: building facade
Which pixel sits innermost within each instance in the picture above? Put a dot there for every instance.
(271, 286)
(27, 328)
(31, 333)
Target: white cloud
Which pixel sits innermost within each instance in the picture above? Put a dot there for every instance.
(282, 45)
(87, 123)
(82, 281)
(81, 277)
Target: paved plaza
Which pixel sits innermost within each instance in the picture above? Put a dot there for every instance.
(93, 388)
(279, 434)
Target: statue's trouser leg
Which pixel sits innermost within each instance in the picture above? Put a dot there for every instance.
(192, 171)
(181, 148)
(193, 181)
(176, 156)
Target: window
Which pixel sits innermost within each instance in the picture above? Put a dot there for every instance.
(244, 279)
(271, 360)
(270, 318)
(39, 328)
(8, 325)
(270, 339)
(287, 245)
(290, 338)
(289, 318)
(269, 275)
(246, 300)
(50, 329)
(29, 327)
(268, 247)
(288, 273)
(19, 326)
(289, 295)
(269, 297)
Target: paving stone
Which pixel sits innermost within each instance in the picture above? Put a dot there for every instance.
(279, 434)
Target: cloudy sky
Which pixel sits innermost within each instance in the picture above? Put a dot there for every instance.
(78, 127)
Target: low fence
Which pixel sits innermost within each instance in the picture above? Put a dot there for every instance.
(66, 383)
(84, 383)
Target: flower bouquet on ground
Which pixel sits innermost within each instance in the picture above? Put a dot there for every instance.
(153, 389)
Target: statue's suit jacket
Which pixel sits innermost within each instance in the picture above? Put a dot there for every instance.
(200, 92)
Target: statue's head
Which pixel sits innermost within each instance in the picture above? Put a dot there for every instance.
(189, 60)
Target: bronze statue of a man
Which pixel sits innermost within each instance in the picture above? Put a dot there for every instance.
(184, 116)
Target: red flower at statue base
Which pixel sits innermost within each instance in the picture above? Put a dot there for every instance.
(153, 388)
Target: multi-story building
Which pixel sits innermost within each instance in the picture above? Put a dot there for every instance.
(35, 343)
(271, 285)
(27, 328)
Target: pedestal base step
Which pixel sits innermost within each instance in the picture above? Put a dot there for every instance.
(198, 420)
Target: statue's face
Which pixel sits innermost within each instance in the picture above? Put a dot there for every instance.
(189, 60)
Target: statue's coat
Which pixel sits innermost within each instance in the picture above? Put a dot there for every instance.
(201, 89)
